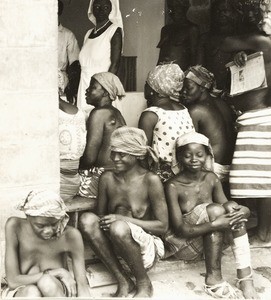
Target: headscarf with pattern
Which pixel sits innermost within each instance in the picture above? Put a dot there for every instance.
(111, 83)
(198, 138)
(133, 141)
(45, 204)
(166, 80)
(203, 77)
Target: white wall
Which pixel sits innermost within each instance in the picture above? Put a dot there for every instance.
(142, 21)
(28, 102)
(131, 107)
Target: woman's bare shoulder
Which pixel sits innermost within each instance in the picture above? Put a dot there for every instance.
(15, 222)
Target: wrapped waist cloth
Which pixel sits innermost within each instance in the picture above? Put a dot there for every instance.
(69, 179)
(187, 248)
(250, 173)
(89, 180)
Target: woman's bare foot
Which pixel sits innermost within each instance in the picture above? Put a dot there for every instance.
(144, 289)
(124, 288)
(248, 290)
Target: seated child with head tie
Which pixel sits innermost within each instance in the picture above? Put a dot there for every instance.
(36, 249)
(201, 215)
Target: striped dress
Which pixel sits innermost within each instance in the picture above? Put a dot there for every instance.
(250, 174)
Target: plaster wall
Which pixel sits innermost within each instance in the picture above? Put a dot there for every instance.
(28, 102)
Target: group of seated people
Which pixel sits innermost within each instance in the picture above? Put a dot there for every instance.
(157, 192)
(162, 189)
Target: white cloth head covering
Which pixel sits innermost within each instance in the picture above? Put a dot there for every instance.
(45, 204)
(111, 83)
(133, 141)
(114, 16)
(198, 138)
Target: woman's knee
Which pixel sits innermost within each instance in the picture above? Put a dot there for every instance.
(88, 221)
(215, 210)
(119, 229)
(30, 291)
(47, 284)
(229, 206)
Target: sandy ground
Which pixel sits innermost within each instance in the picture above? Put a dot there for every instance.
(179, 280)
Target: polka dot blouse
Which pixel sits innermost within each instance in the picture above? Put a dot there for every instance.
(171, 124)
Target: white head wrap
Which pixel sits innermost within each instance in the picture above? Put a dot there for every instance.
(198, 138)
(114, 16)
(111, 83)
(45, 204)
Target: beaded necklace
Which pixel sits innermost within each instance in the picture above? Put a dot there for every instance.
(97, 30)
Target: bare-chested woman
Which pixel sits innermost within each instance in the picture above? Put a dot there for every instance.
(200, 214)
(36, 248)
(212, 117)
(104, 88)
(131, 214)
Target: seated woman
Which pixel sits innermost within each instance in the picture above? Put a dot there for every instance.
(201, 215)
(72, 142)
(165, 119)
(104, 88)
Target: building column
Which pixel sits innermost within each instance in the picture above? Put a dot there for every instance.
(29, 154)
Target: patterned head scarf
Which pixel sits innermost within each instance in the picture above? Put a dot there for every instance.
(265, 24)
(114, 16)
(132, 141)
(166, 80)
(45, 204)
(111, 83)
(62, 82)
(202, 77)
(198, 138)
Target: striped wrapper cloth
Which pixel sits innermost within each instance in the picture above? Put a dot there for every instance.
(250, 174)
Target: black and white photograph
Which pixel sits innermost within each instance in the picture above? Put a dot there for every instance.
(135, 149)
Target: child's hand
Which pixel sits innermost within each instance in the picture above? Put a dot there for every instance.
(227, 220)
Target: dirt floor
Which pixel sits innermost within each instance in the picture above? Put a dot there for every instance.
(179, 280)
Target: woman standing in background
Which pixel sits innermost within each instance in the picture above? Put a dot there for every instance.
(102, 45)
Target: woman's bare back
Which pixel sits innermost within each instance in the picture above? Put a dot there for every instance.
(113, 119)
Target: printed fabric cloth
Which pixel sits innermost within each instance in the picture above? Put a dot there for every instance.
(133, 141)
(250, 173)
(72, 135)
(69, 179)
(166, 80)
(151, 246)
(111, 83)
(89, 181)
(183, 248)
(45, 203)
(170, 125)
(204, 78)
